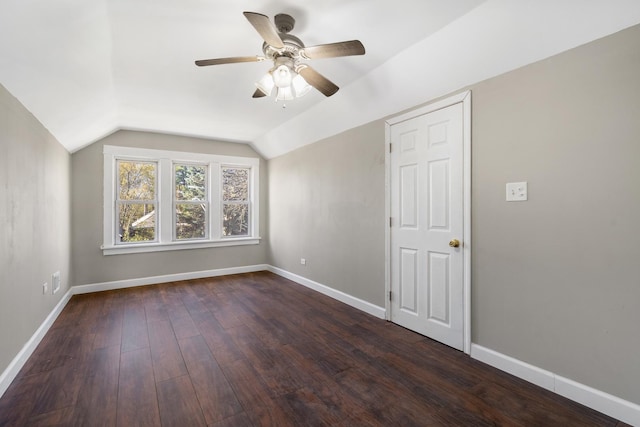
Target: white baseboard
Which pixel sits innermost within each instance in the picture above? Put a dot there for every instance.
(154, 280)
(27, 350)
(613, 406)
(362, 305)
(608, 404)
(515, 367)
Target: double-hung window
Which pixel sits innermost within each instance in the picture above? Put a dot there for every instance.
(190, 201)
(136, 201)
(235, 201)
(157, 200)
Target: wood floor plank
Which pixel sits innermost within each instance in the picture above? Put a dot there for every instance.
(217, 399)
(154, 307)
(109, 329)
(184, 327)
(271, 415)
(134, 328)
(62, 389)
(218, 340)
(172, 301)
(259, 350)
(249, 388)
(165, 352)
(85, 309)
(195, 305)
(137, 397)
(98, 400)
(59, 417)
(18, 400)
(178, 403)
(239, 420)
(225, 309)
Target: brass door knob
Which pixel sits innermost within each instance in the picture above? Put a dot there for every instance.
(454, 243)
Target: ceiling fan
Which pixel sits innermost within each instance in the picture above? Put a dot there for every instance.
(290, 76)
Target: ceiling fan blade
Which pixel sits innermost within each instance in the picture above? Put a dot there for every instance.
(318, 81)
(258, 94)
(332, 50)
(265, 28)
(236, 59)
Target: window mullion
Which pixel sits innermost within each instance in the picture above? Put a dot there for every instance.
(215, 195)
(254, 200)
(165, 200)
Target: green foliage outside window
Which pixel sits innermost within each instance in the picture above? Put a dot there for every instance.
(136, 201)
(191, 201)
(235, 196)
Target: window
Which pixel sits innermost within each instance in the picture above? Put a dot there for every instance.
(235, 201)
(136, 201)
(164, 200)
(191, 201)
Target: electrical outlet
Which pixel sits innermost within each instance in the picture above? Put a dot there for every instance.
(45, 288)
(516, 191)
(303, 261)
(55, 282)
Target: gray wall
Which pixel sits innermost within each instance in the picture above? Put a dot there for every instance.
(90, 266)
(326, 204)
(554, 279)
(34, 224)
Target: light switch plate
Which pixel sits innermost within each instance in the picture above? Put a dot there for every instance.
(516, 191)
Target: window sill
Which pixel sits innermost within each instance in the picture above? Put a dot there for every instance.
(177, 246)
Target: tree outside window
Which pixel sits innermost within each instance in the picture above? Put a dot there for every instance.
(191, 201)
(235, 201)
(136, 201)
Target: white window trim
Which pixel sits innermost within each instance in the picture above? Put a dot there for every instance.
(164, 219)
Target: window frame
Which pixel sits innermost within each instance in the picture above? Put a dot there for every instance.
(165, 188)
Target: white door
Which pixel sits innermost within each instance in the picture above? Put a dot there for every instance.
(427, 220)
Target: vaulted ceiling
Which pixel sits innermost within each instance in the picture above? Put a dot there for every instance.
(86, 68)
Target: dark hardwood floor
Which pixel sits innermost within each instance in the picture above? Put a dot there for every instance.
(256, 349)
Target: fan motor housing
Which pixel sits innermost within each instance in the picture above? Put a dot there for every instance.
(292, 46)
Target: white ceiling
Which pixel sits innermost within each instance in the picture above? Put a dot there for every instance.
(86, 68)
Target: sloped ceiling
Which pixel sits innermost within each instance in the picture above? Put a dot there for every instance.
(86, 68)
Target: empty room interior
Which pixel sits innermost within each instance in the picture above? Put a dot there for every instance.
(388, 213)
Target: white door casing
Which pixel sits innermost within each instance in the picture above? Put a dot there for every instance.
(428, 202)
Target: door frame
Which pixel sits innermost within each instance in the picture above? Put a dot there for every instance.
(465, 99)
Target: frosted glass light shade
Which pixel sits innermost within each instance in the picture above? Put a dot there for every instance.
(265, 84)
(300, 86)
(282, 76)
(284, 94)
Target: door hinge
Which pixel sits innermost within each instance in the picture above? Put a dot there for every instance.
(390, 222)
(390, 295)
(390, 145)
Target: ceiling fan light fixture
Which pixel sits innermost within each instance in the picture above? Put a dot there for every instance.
(284, 94)
(292, 78)
(266, 84)
(300, 86)
(282, 76)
